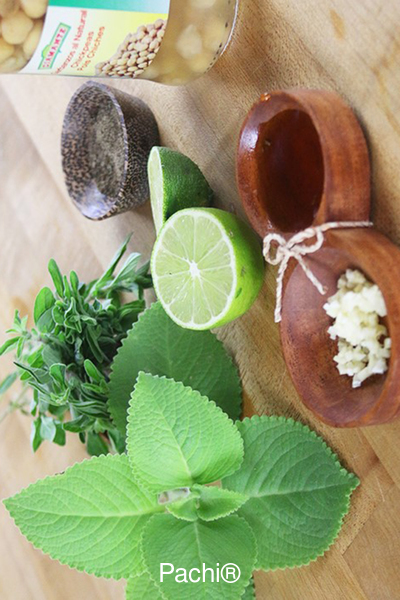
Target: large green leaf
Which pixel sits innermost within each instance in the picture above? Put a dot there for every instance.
(176, 437)
(142, 588)
(298, 491)
(158, 346)
(190, 545)
(91, 517)
(207, 503)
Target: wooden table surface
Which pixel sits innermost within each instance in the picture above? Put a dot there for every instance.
(351, 47)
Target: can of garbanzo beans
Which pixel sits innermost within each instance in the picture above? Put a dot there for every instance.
(171, 41)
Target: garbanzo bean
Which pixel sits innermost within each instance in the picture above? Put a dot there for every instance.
(34, 8)
(8, 7)
(32, 41)
(15, 29)
(21, 26)
(6, 50)
(8, 66)
(15, 63)
(189, 44)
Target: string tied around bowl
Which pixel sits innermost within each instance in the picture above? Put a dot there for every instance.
(294, 247)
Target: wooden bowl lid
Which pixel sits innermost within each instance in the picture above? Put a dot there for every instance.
(302, 160)
(308, 349)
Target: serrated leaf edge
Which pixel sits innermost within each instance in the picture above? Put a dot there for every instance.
(138, 478)
(253, 587)
(313, 433)
(258, 567)
(146, 569)
(232, 512)
(182, 518)
(253, 537)
(53, 556)
(228, 514)
(145, 572)
(350, 476)
(145, 316)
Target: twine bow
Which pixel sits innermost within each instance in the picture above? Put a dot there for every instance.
(297, 249)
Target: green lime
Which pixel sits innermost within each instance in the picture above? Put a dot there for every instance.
(176, 182)
(207, 267)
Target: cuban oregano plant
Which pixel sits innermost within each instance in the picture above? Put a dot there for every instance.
(156, 345)
(64, 362)
(280, 499)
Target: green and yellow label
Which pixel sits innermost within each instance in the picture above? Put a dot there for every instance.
(79, 35)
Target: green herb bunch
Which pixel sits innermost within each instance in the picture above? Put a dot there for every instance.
(65, 359)
(196, 488)
(280, 501)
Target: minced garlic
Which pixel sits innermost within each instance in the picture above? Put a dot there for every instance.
(363, 342)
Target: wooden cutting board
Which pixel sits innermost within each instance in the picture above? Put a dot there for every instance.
(350, 47)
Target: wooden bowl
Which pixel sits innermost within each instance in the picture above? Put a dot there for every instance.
(308, 349)
(302, 160)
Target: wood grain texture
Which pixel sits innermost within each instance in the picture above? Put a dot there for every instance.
(349, 47)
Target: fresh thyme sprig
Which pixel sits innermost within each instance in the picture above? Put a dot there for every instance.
(65, 359)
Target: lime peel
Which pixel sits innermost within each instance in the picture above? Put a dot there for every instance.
(207, 268)
(176, 183)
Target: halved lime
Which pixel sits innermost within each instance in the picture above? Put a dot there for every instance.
(207, 267)
(176, 182)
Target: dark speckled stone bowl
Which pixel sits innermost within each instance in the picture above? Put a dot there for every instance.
(110, 177)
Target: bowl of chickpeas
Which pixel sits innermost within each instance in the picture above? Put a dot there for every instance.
(21, 26)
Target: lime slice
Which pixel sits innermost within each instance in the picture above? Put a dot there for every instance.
(176, 182)
(207, 267)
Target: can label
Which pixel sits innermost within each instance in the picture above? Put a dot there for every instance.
(80, 35)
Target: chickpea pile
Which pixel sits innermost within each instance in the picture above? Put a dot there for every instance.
(21, 25)
(135, 53)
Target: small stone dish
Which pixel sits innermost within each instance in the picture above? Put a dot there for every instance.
(307, 347)
(302, 160)
(106, 141)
